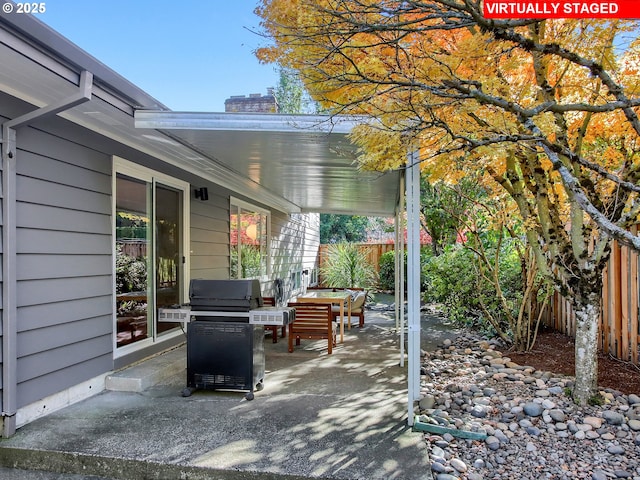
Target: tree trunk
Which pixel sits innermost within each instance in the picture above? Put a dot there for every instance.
(586, 352)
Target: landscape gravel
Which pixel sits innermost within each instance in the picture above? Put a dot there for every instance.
(522, 422)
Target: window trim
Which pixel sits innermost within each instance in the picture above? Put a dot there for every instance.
(126, 167)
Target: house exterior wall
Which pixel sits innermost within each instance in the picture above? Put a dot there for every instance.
(210, 235)
(295, 240)
(65, 262)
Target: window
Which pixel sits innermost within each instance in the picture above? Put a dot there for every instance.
(249, 229)
(150, 215)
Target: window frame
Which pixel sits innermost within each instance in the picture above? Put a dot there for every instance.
(236, 206)
(153, 177)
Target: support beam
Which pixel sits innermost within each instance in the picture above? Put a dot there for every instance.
(399, 300)
(9, 250)
(399, 277)
(413, 281)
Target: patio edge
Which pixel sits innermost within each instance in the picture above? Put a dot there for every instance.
(121, 468)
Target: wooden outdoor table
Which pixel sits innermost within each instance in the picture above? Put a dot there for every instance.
(332, 298)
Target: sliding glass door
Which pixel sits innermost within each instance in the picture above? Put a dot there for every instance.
(133, 238)
(169, 250)
(150, 215)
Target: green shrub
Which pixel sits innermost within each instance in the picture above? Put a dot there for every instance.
(347, 266)
(452, 283)
(131, 273)
(455, 282)
(387, 264)
(388, 269)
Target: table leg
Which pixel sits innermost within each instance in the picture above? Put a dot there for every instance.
(341, 322)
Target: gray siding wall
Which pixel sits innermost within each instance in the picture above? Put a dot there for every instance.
(65, 251)
(64, 264)
(210, 235)
(2, 406)
(294, 247)
(294, 241)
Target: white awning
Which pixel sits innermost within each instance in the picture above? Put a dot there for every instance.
(306, 159)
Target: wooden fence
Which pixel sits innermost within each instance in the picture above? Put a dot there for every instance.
(134, 248)
(619, 322)
(619, 330)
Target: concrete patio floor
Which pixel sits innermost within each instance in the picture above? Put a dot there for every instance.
(339, 416)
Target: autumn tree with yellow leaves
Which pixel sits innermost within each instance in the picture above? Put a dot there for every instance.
(546, 109)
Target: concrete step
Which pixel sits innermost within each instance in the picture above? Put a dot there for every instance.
(145, 374)
(49, 465)
(19, 474)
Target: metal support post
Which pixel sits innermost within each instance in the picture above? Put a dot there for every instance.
(413, 280)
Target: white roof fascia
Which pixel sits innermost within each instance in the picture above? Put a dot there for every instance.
(254, 122)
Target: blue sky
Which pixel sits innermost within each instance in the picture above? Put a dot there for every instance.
(189, 54)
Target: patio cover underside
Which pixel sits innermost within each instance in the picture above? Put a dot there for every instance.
(307, 160)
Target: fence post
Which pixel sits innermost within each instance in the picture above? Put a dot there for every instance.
(624, 302)
(615, 311)
(634, 286)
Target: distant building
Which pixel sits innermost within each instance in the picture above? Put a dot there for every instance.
(254, 103)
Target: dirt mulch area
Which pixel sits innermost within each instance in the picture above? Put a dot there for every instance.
(554, 352)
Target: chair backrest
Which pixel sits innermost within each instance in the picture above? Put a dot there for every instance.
(358, 300)
(269, 301)
(313, 321)
(312, 315)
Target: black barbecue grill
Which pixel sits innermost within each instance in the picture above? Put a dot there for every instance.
(225, 295)
(225, 342)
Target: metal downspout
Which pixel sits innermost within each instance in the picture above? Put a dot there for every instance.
(413, 281)
(9, 309)
(9, 251)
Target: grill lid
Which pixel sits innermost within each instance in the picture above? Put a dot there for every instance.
(225, 295)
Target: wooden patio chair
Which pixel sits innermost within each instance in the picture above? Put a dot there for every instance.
(271, 302)
(357, 307)
(313, 321)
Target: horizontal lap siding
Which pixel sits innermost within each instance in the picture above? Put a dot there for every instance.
(2, 406)
(64, 264)
(32, 388)
(70, 311)
(209, 236)
(294, 246)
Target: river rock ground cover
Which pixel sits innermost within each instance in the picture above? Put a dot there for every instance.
(524, 424)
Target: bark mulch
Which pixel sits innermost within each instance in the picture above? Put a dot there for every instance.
(554, 352)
